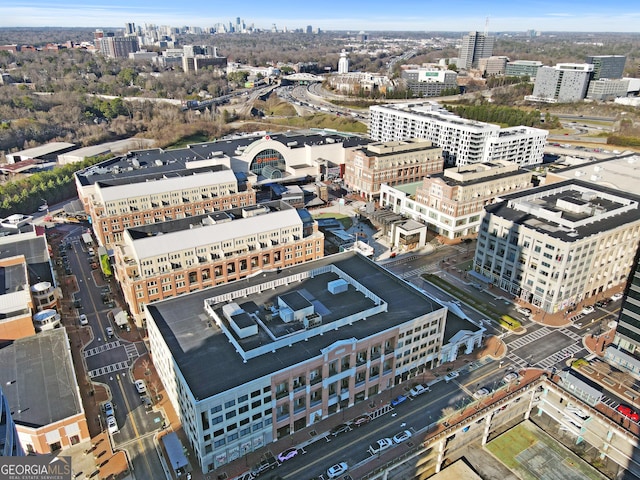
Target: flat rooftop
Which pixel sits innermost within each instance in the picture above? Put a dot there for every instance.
(196, 341)
(34, 249)
(38, 379)
(157, 162)
(163, 237)
(620, 172)
(569, 210)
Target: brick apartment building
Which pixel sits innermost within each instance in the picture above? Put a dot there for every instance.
(392, 163)
(162, 260)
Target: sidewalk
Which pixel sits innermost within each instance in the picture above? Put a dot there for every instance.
(493, 348)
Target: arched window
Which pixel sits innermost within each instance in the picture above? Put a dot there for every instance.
(268, 157)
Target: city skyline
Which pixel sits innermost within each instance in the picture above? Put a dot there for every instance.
(407, 15)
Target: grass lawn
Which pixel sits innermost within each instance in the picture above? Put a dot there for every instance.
(345, 220)
(196, 138)
(508, 445)
(533, 455)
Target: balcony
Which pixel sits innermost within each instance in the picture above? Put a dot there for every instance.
(282, 394)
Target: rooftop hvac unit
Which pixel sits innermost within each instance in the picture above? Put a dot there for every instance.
(337, 286)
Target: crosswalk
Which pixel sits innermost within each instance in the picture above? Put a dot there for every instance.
(129, 348)
(528, 338)
(517, 360)
(102, 348)
(564, 354)
(114, 367)
(132, 351)
(419, 271)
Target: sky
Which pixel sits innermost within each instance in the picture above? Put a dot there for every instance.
(352, 15)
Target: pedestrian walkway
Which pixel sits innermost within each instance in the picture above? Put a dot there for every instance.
(102, 348)
(528, 338)
(114, 367)
(557, 357)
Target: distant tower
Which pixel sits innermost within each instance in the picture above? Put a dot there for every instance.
(343, 63)
(475, 46)
(129, 29)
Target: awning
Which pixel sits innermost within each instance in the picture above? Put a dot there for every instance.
(175, 451)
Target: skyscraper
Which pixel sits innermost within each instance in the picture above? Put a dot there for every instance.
(628, 331)
(607, 66)
(475, 46)
(564, 83)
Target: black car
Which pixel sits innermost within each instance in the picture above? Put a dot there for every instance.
(338, 429)
(603, 303)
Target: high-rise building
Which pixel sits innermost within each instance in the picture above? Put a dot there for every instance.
(563, 83)
(462, 141)
(521, 68)
(117, 47)
(343, 63)
(129, 29)
(607, 66)
(475, 46)
(627, 335)
(429, 82)
(560, 244)
(494, 65)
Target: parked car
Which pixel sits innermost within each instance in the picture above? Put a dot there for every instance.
(380, 445)
(109, 332)
(628, 412)
(361, 420)
(402, 436)
(337, 470)
(338, 429)
(510, 377)
(524, 311)
(43, 208)
(483, 392)
(398, 400)
(108, 409)
(288, 454)
(587, 309)
(140, 387)
(83, 320)
(603, 303)
(450, 376)
(264, 466)
(616, 296)
(147, 402)
(112, 425)
(418, 390)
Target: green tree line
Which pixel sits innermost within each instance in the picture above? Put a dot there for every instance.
(52, 186)
(504, 115)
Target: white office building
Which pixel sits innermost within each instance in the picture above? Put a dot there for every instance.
(557, 245)
(290, 348)
(462, 141)
(564, 83)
